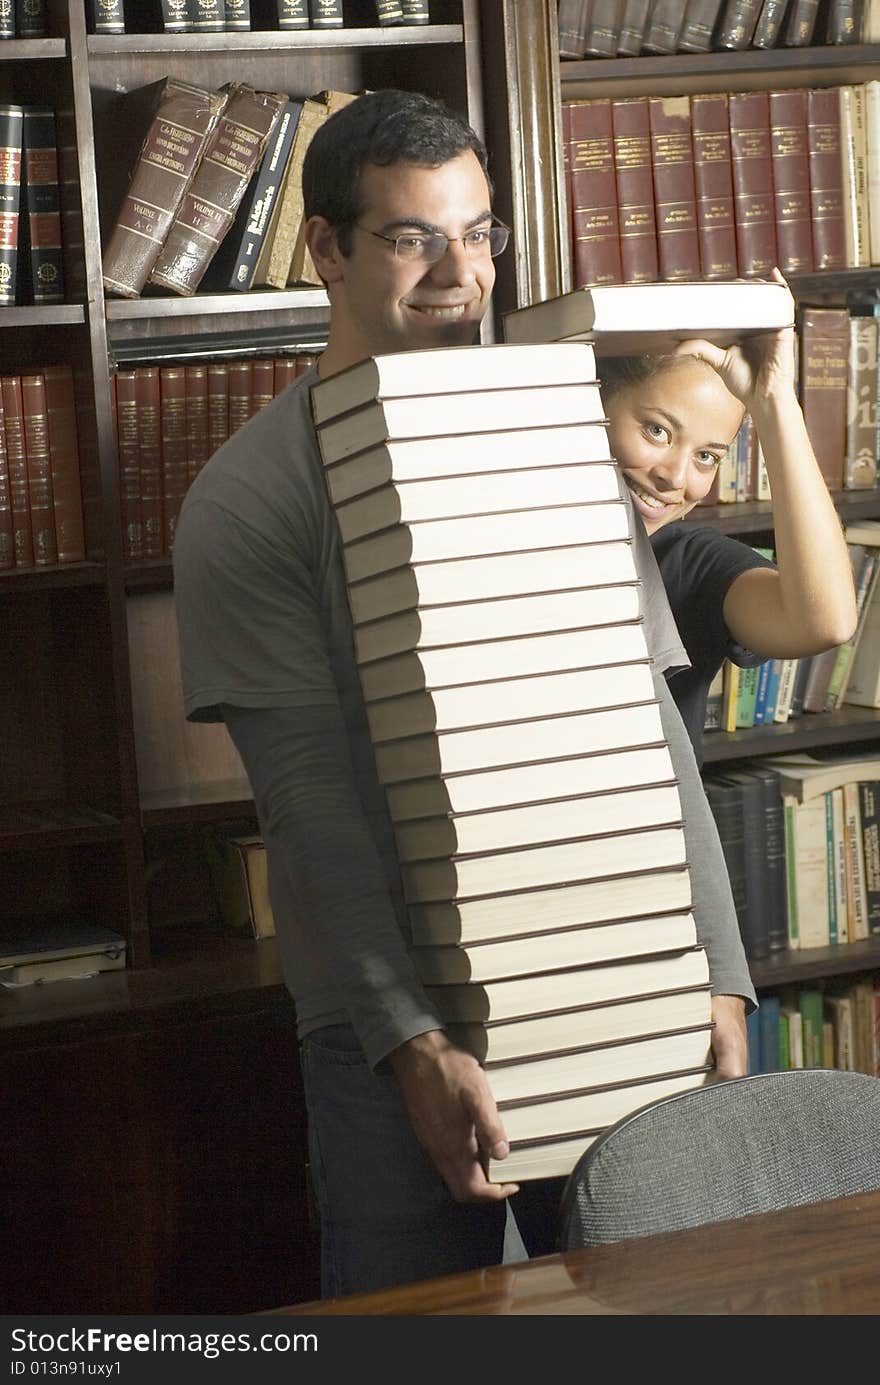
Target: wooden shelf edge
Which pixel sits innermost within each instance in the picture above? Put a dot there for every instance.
(42, 314)
(258, 301)
(849, 724)
(33, 827)
(813, 963)
(752, 516)
(275, 40)
(41, 578)
(782, 60)
(33, 49)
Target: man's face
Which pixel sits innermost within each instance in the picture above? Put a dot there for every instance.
(382, 303)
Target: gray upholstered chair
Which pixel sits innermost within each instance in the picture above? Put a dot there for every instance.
(726, 1150)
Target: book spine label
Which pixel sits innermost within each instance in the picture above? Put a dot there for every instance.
(108, 16)
(32, 18)
(713, 181)
(176, 17)
(13, 423)
(699, 24)
(238, 16)
(415, 11)
(388, 12)
(738, 24)
(326, 14)
(824, 352)
(167, 161)
(292, 14)
(39, 472)
(11, 138)
(860, 461)
(800, 24)
(128, 454)
(7, 19)
(197, 452)
(791, 180)
(42, 196)
(240, 394)
(674, 191)
(595, 226)
(635, 191)
(148, 389)
(844, 21)
(602, 34)
(769, 24)
(64, 460)
(749, 114)
(826, 178)
(208, 207)
(206, 16)
(172, 418)
(7, 536)
(266, 189)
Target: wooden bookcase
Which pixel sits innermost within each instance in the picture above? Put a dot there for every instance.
(748, 71)
(157, 1161)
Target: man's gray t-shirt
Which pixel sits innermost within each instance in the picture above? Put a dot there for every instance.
(264, 624)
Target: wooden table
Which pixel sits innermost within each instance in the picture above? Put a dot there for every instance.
(821, 1259)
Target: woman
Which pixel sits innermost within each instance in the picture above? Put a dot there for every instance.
(671, 419)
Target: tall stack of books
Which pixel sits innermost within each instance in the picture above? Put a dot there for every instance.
(509, 696)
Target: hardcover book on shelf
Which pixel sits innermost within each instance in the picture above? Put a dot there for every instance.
(800, 22)
(42, 204)
(737, 24)
(60, 948)
(860, 458)
(232, 153)
(592, 185)
(824, 348)
(64, 463)
(11, 138)
(632, 27)
(826, 178)
(16, 461)
(572, 20)
(35, 417)
(675, 199)
(713, 184)
(604, 28)
(700, 17)
(236, 260)
(854, 155)
(635, 190)
(292, 14)
(623, 319)
(769, 25)
(243, 884)
(791, 180)
(663, 26)
(753, 206)
(184, 118)
(499, 1041)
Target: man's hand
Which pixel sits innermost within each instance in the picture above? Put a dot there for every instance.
(729, 1043)
(453, 1114)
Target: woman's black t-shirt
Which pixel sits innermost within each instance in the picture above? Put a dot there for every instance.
(698, 567)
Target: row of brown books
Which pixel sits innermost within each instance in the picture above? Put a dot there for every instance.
(722, 186)
(511, 707)
(626, 28)
(217, 182)
(230, 16)
(24, 19)
(41, 503)
(31, 267)
(169, 421)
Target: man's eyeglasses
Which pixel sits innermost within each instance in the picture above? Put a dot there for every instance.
(427, 247)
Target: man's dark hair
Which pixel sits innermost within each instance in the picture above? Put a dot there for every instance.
(383, 127)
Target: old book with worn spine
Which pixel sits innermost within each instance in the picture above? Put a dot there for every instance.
(789, 152)
(185, 116)
(826, 178)
(675, 198)
(16, 461)
(11, 137)
(43, 205)
(39, 469)
(824, 335)
(64, 460)
(232, 153)
(749, 114)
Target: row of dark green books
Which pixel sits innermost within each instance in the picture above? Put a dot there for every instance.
(229, 16)
(24, 19)
(31, 267)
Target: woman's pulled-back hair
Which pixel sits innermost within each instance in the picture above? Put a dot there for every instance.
(383, 127)
(618, 373)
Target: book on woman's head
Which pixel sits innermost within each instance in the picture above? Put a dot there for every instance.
(628, 319)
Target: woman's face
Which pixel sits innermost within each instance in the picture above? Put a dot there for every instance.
(669, 435)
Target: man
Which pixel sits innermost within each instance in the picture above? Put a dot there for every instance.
(399, 226)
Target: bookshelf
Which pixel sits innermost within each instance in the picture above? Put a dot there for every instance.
(178, 1120)
(851, 728)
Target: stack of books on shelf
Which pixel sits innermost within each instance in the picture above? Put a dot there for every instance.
(237, 16)
(31, 265)
(832, 1026)
(169, 421)
(217, 171)
(723, 185)
(510, 703)
(63, 948)
(41, 494)
(626, 28)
